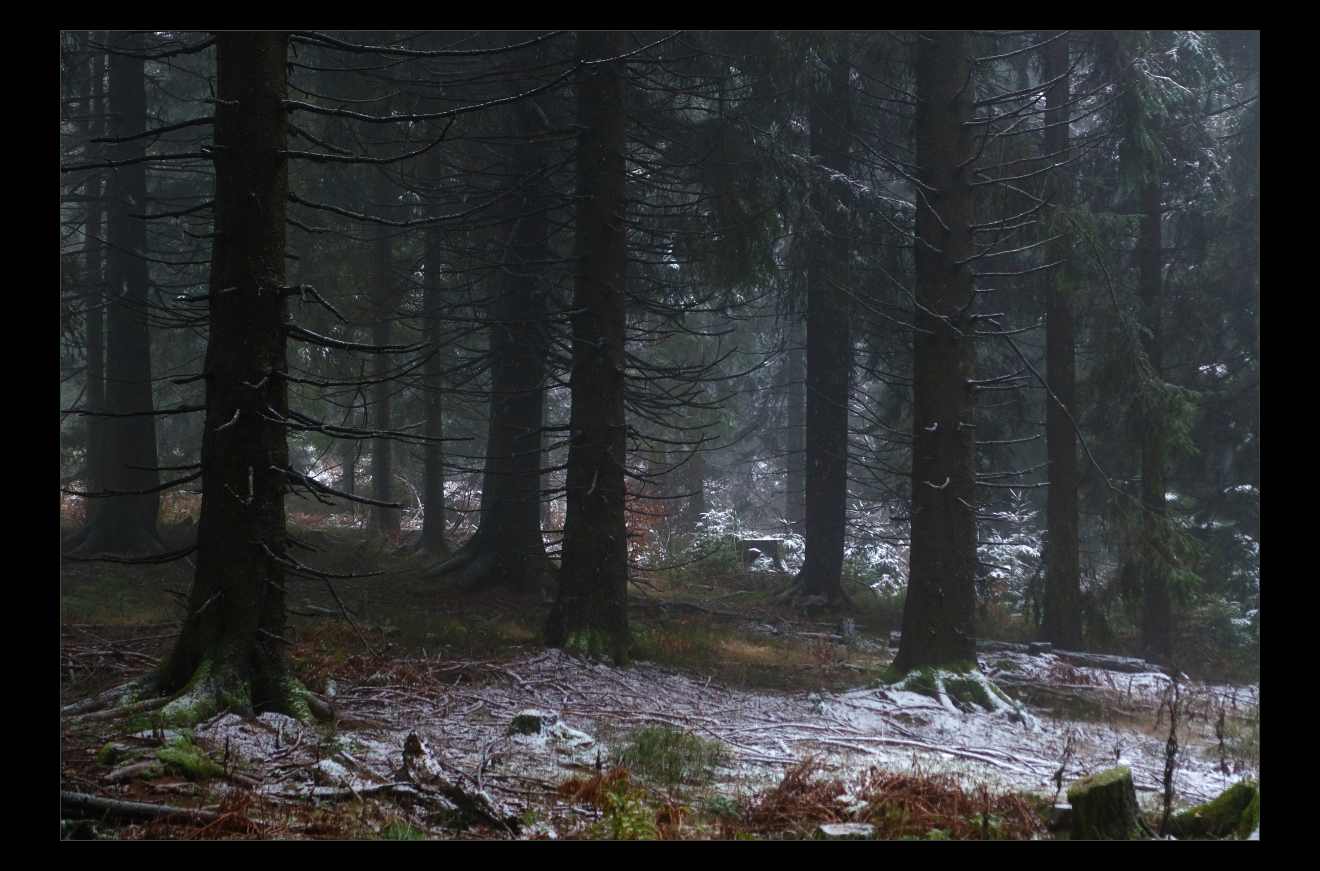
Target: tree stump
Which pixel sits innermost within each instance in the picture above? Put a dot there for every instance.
(1105, 808)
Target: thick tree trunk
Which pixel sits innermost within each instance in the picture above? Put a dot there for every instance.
(1063, 604)
(1157, 600)
(829, 349)
(229, 654)
(591, 613)
(433, 460)
(382, 393)
(941, 597)
(507, 547)
(127, 523)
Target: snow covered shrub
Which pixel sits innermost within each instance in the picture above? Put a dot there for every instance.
(1009, 562)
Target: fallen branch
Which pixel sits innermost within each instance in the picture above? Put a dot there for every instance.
(75, 804)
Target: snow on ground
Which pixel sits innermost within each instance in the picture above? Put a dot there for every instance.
(465, 723)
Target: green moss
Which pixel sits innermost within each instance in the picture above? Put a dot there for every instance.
(108, 754)
(1105, 808)
(596, 642)
(959, 680)
(189, 760)
(1250, 817)
(1236, 811)
(401, 831)
(294, 699)
(970, 692)
(1094, 781)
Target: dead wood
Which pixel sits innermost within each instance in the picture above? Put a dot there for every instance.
(79, 804)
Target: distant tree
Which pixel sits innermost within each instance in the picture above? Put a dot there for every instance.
(829, 348)
(126, 447)
(508, 547)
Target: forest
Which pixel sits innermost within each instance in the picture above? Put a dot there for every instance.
(613, 435)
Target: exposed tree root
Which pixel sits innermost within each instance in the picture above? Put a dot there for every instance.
(810, 599)
(211, 690)
(97, 538)
(479, 564)
(961, 688)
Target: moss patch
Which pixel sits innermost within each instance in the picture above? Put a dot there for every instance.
(1236, 812)
(188, 759)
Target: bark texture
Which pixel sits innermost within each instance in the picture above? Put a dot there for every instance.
(591, 613)
(941, 598)
(1062, 623)
(229, 654)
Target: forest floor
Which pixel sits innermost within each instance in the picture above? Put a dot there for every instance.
(738, 720)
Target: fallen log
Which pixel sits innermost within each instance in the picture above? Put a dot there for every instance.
(75, 805)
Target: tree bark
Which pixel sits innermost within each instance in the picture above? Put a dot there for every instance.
(382, 392)
(507, 547)
(127, 523)
(433, 461)
(591, 613)
(941, 597)
(1062, 625)
(795, 508)
(1157, 600)
(94, 467)
(829, 348)
(229, 655)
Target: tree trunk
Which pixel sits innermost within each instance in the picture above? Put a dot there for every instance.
(507, 547)
(1157, 600)
(795, 507)
(1063, 604)
(591, 613)
(94, 467)
(941, 597)
(127, 523)
(382, 393)
(433, 461)
(829, 348)
(229, 655)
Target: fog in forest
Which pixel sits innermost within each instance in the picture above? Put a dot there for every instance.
(660, 434)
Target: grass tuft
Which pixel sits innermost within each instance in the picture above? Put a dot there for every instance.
(668, 756)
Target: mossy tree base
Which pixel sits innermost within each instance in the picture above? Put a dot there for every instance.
(596, 644)
(214, 687)
(960, 687)
(1105, 808)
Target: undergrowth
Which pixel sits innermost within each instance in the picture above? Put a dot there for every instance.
(670, 756)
